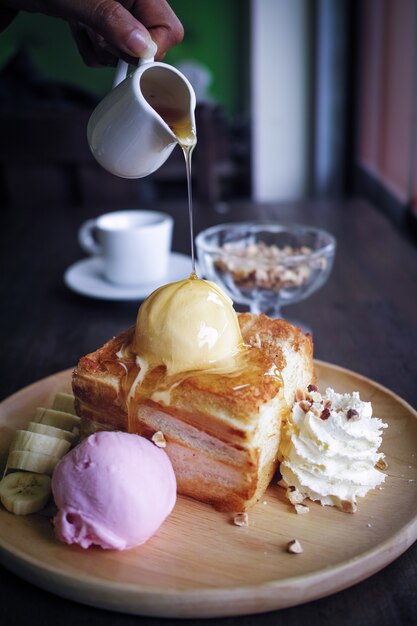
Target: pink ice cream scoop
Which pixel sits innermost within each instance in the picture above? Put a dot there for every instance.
(114, 490)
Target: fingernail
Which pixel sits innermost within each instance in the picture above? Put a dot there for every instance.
(150, 51)
(140, 46)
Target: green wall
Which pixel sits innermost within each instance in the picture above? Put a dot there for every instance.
(53, 51)
(216, 35)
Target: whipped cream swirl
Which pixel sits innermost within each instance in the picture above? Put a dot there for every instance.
(330, 448)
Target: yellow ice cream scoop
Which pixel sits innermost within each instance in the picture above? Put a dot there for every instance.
(187, 325)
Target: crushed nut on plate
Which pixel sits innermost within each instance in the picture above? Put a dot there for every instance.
(159, 439)
(294, 496)
(301, 509)
(382, 464)
(241, 519)
(348, 507)
(294, 547)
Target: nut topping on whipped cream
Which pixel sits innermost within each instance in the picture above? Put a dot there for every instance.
(329, 449)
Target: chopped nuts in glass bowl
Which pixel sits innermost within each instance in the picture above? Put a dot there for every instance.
(265, 265)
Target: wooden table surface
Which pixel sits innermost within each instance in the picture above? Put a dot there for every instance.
(364, 319)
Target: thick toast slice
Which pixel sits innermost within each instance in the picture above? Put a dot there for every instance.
(222, 430)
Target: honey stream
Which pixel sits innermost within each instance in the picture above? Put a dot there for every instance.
(144, 381)
(139, 385)
(185, 132)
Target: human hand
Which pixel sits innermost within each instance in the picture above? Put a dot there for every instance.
(108, 29)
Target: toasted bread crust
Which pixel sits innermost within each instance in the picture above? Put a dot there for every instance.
(222, 451)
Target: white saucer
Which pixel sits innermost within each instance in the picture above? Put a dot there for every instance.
(86, 277)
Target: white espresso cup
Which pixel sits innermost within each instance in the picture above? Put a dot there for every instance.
(134, 245)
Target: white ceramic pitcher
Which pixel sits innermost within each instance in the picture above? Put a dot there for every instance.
(125, 133)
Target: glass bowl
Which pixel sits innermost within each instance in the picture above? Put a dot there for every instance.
(265, 265)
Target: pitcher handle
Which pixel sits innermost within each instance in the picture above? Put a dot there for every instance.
(122, 68)
(121, 72)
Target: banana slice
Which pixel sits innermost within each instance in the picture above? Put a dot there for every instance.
(58, 419)
(35, 442)
(22, 493)
(31, 462)
(51, 431)
(64, 402)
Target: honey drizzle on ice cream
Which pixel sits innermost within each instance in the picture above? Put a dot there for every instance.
(187, 337)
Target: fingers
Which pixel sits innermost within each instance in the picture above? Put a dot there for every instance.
(93, 54)
(148, 19)
(118, 27)
(130, 27)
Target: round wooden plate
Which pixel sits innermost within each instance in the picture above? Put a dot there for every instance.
(199, 564)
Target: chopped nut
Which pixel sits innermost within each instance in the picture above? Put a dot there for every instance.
(159, 439)
(294, 496)
(241, 519)
(299, 395)
(382, 464)
(353, 415)
(294, 547)
(256, 342)
(312, 388)
(315, 396)
(348, 507)
(305, 405)
(301, 509)
(325, 414)
(261, 266)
